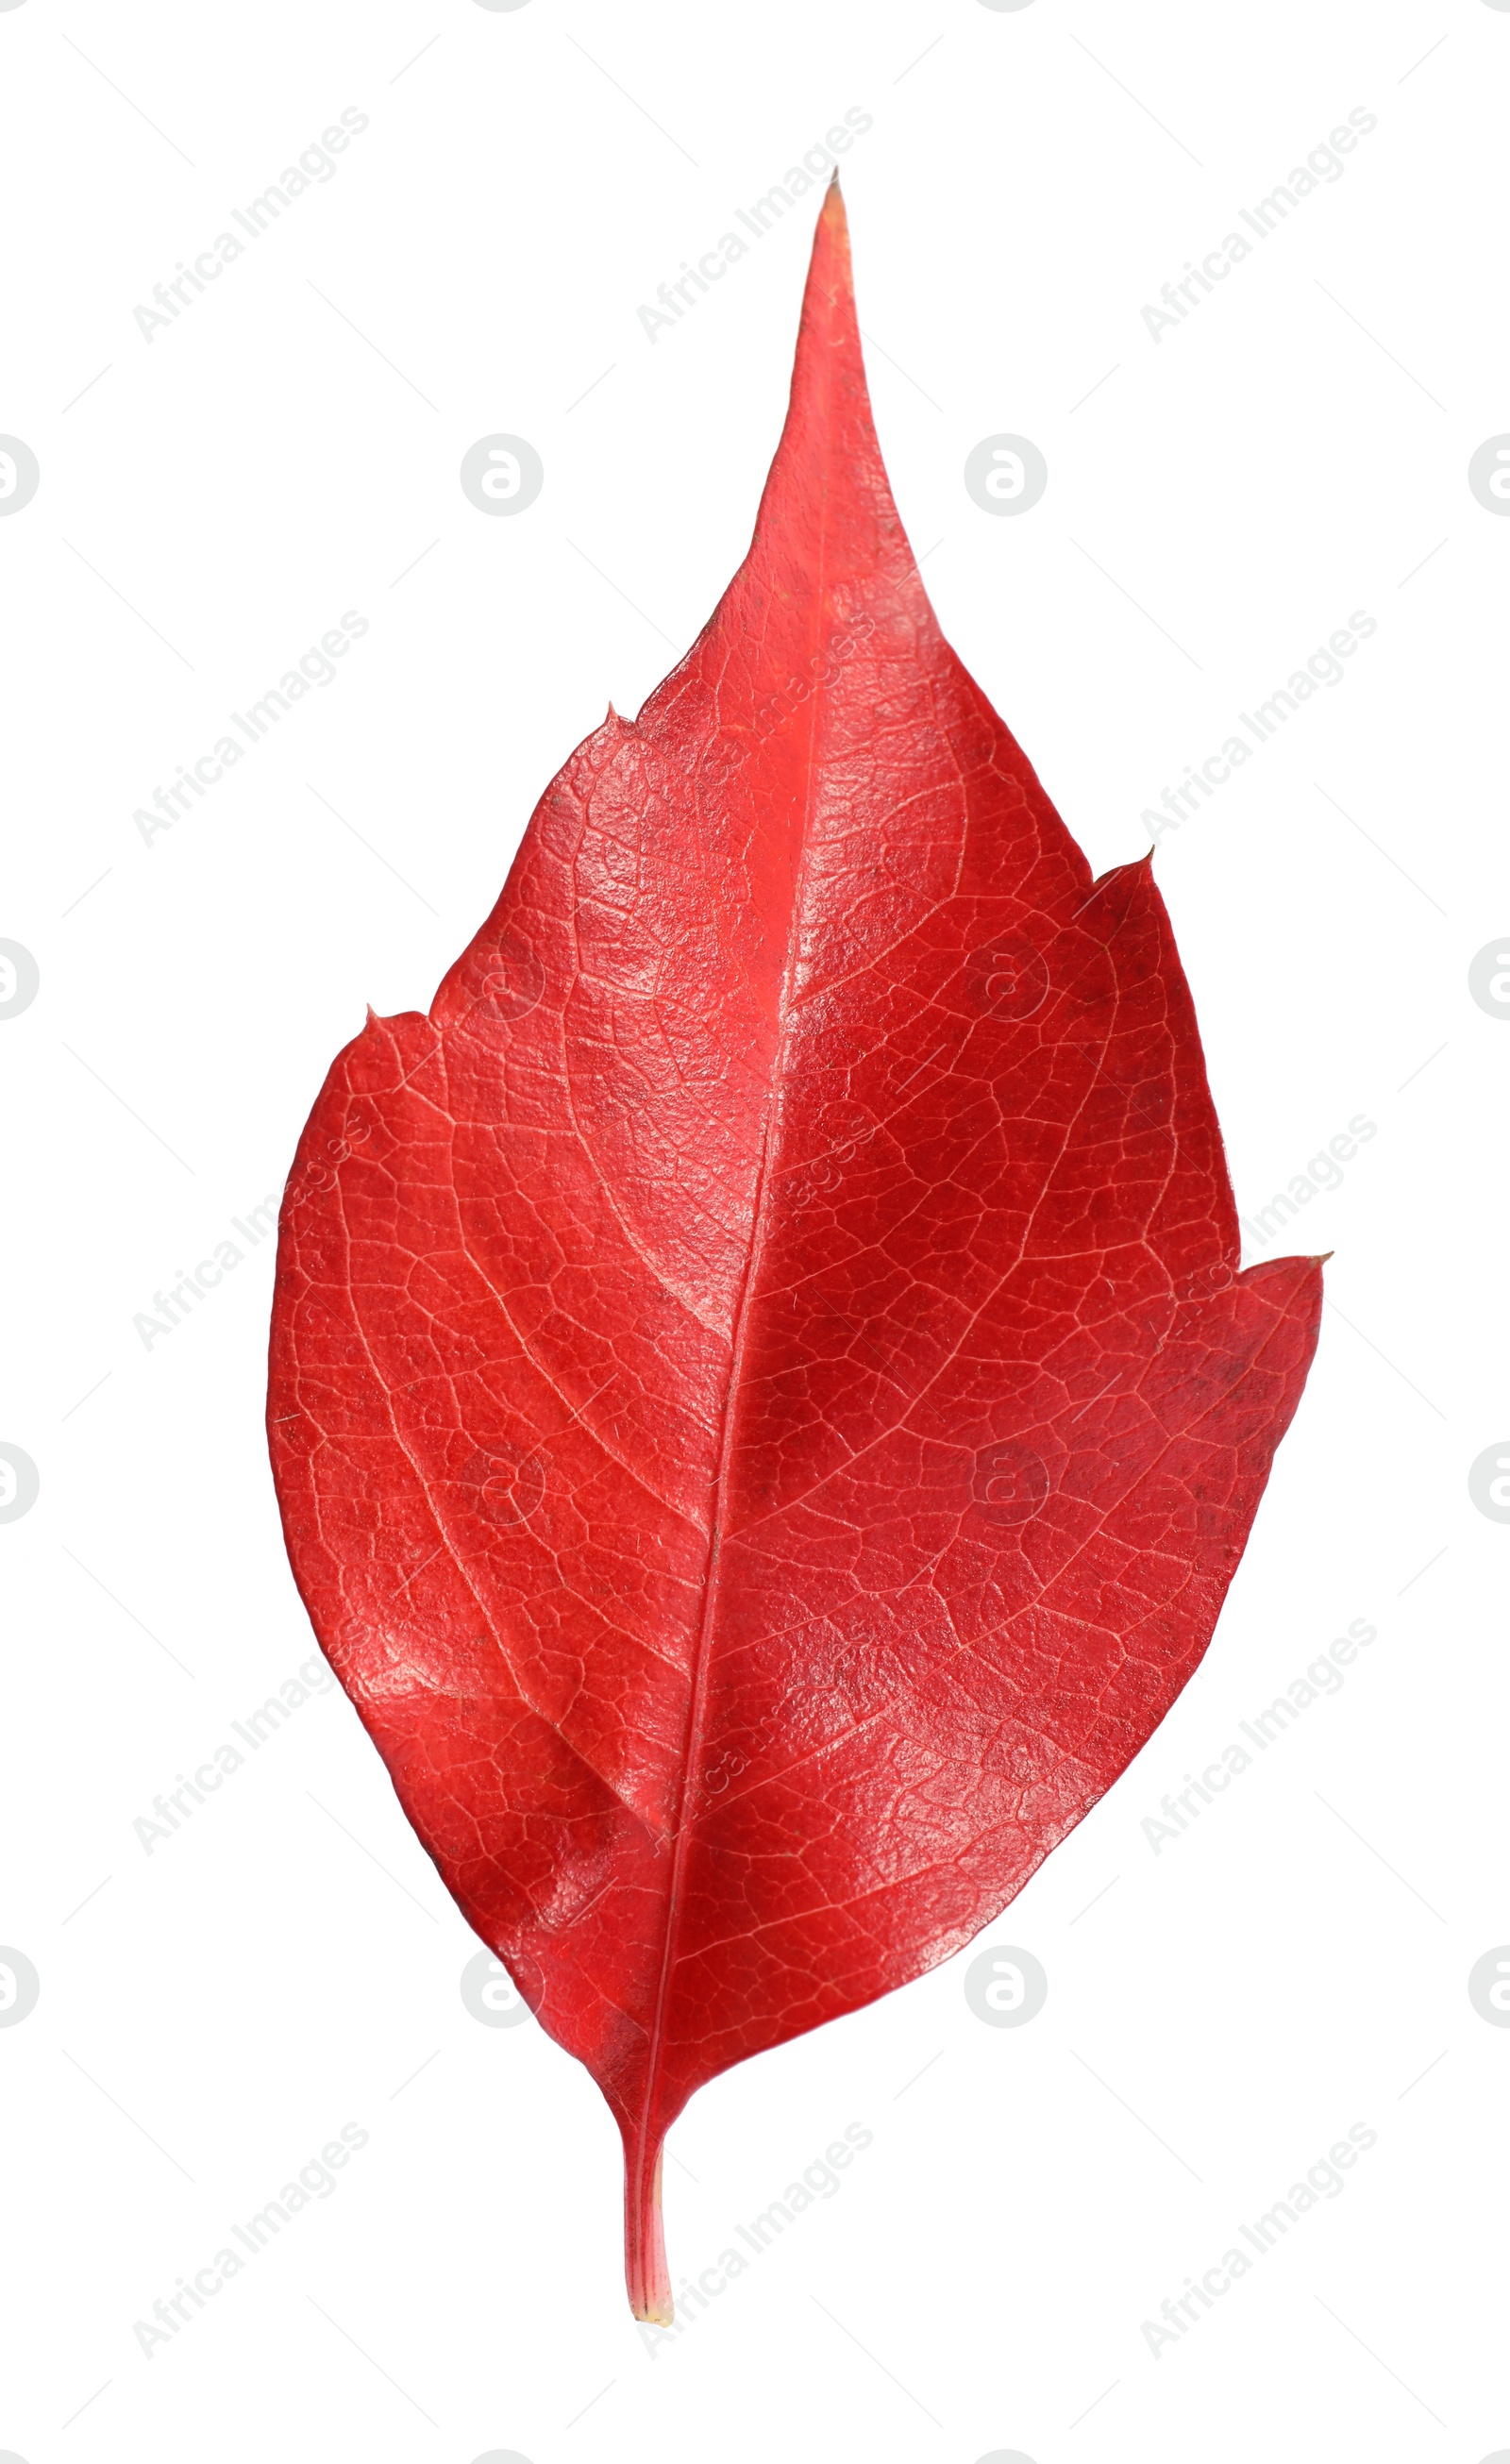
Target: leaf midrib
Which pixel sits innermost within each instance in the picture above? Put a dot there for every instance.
(682, 1829)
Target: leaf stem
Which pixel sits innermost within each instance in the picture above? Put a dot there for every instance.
(644, 2267)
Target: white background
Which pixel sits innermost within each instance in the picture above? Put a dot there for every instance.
(210, 502)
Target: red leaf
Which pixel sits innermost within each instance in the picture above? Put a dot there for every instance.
(763, 1405)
